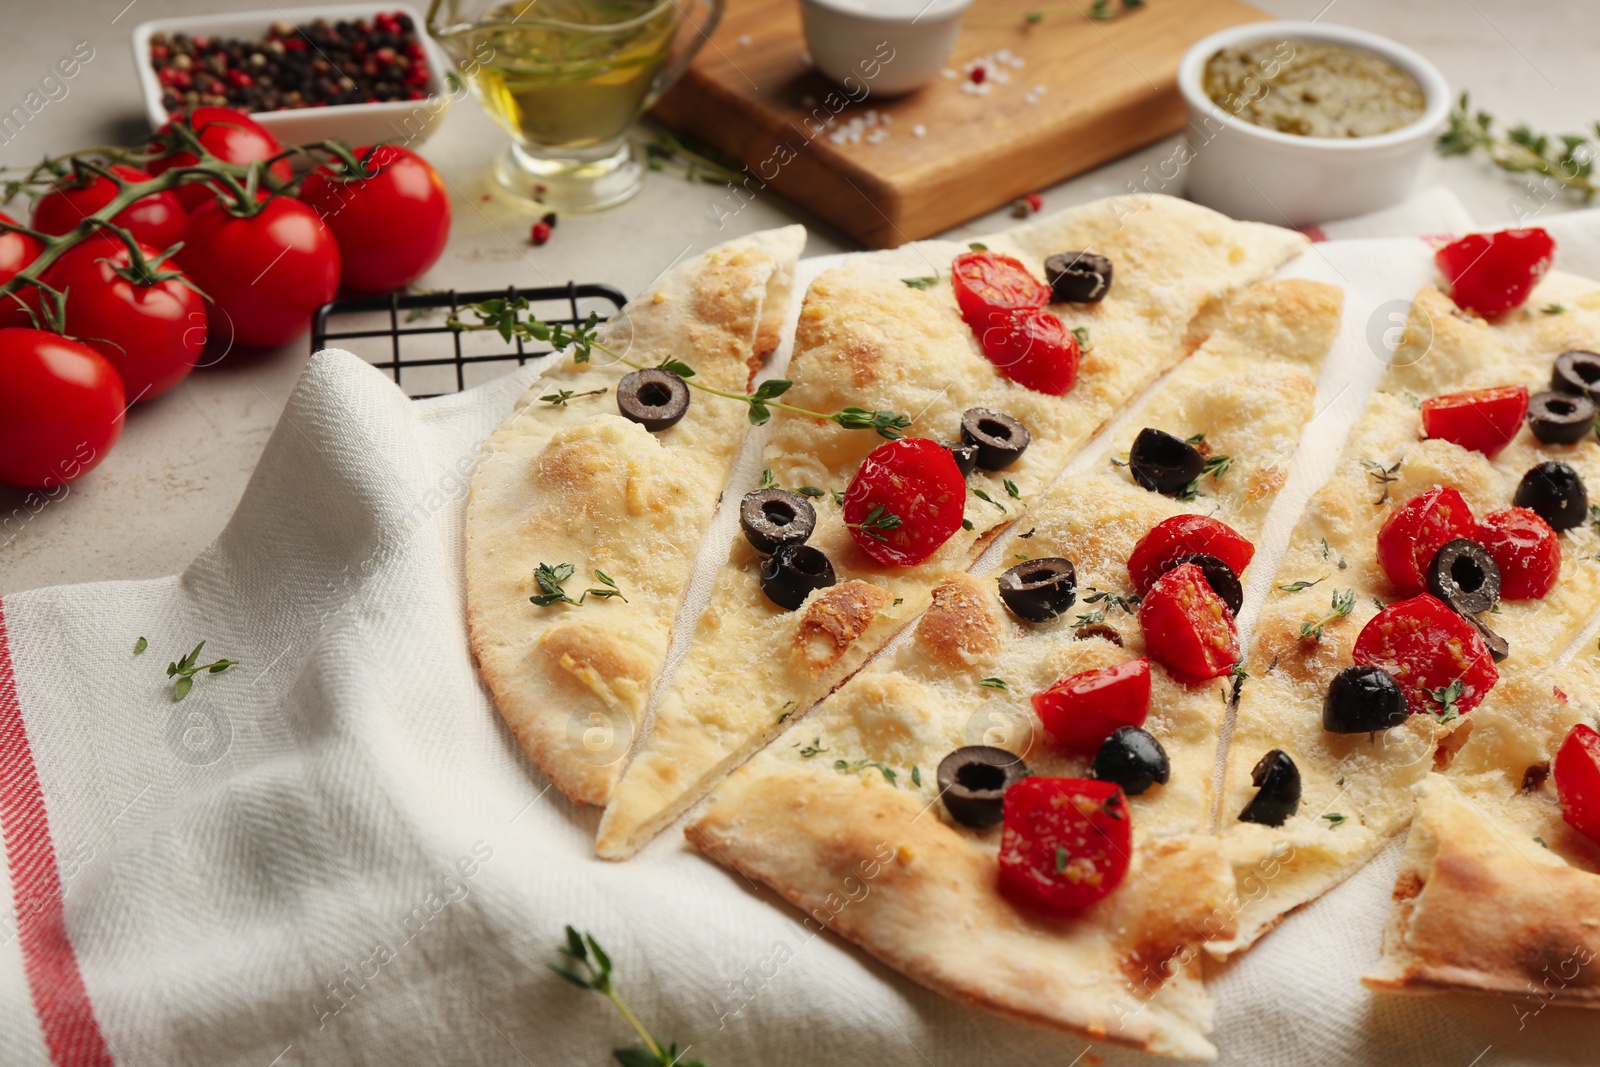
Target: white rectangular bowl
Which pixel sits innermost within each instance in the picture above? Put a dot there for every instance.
(407, 121)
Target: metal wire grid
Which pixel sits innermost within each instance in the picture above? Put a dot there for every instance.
(555, 303)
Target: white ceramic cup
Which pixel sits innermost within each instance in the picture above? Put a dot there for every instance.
(1253, 173)
(888, 46)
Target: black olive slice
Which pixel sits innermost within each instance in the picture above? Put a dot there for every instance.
(652, 398)
(1499, 647)
(1465, 576)
(1001, 440)
(790, 574)
(774, 517)
(1163, 463)
(1219, 576)
(965, 455)
(1554, 492)
(1277, 782)
(1040, 589)
(1363, 700)
(1561, 418)
(973, 781)
(1133, 759)
(1078, 277)
(1577, 372)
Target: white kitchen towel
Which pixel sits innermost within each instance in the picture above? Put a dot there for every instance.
(334, 853)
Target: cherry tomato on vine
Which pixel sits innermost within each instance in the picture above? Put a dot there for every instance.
(61, 408)
(148, 323)
(17, 250)
(1491, 273)
(392, 226)
(264, 274)
(231, 136)
(157, 219)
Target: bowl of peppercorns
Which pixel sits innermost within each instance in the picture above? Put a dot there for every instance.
(359, 72)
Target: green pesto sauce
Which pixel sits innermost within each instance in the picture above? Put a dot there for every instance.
(1313, 89)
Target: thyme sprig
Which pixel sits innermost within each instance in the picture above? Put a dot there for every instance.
(844, 766)
(1107, 600)
(582, 953)
(877, 519)
(509, 317)
(1343, 604)
(1383, 476)
(186, 668)
(550, 579)
(1565, 158)
(1446, 696)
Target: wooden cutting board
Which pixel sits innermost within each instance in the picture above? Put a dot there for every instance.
(1085, 91)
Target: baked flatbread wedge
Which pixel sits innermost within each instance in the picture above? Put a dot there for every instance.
(571, 486)
(1357, 787)
(866, 338)
(855, 782)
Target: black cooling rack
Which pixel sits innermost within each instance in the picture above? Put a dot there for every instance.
(406, 336)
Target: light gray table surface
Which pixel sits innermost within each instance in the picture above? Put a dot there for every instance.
(183, 461)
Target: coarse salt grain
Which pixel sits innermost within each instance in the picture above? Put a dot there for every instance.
(919, 130)
(744, 42)
(947, 73)
(877, 136)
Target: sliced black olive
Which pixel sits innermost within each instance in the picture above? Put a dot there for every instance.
(973, 783)
(652, 398)
(1163, 463)
(1577, 372)
(1499, 647)
(1219, 576)
(774, 517)
(1555, 493)
(1078, 277)
(1001, 440)
(1277, 782)
(790, 574)
(1133, 759)
(1561, 418)
(1362, 700)
(966, 457)
(1040, 589)
(1465, 576)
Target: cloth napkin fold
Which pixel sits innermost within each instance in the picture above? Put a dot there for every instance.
(333, 852)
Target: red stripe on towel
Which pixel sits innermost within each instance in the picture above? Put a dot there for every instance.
(59, 997)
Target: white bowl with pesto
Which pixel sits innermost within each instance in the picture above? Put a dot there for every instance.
(1256, 173)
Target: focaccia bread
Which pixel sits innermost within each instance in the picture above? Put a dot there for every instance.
(571, 483)
(865, 338)
(860, 770)
(1357, 787)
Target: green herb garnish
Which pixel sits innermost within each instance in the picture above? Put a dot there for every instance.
(877, 519)
(140, 645)
(1295, 587)
(995, 683)
(1343, 604)
(852, 767)
(583, 951)
(1446, 697)
(560, 397)
(186, 668)
(923, 282)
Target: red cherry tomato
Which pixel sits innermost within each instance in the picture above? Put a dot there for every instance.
(1525, 549)
(989, 287)
(905, 501)
(1083, 709)
(1491, 273)
(17, 250)
(265, 274)
(1066, 842)
(231, 136)
(1187, 627)
(390, 227)
(152, 334)
(157, 219)
(1417, 529)
(61, 408)
(1033, 349)
(1184, 535)
(1577, 774)
(1428, 647)
(1484, 420)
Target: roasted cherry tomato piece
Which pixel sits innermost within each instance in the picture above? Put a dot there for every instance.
(1484, 420)
(905, 501)
(990, 286)
(1428, 647)
(1577, 774)
(1034, 349)
(376, 254)
(1083, 709)
(1491, 273)
(1186, 535)
(1526, 550)
(1066, 842)
(61, 408)
(17, 250)
(231, 136)
(1419, 528)
(157, 219)
(1187, 626)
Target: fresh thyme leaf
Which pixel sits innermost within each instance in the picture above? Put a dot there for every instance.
(596, 975)
(1325, 548)
(1216, 466)
(1012, 490)
(923, 282)
(1446, 697)
(838, 496)
(1082, 334)
(181, 687)
(852, 767)
(1334, 819)
(1295, 587)
(1062, 857)
(676, 366)
(813, 748)
(966, 524)
(916, 775)
(1539, 839)
(1552, 309)
(1566, 158)
(769, 482)
(1343, 604)
(877, 519)
(1190, 491)
(188, 666)
(987, 499)
(560, 397)
(1383, 476)
(604, 579)
(549, 580)
(995, 683)
(811, 491)
(1196, 439)
(1340, 782)
(898, 601)
(1030, 533)
(977, 246)
(140, 645)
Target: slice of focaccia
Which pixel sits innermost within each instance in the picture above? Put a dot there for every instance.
(568, 485)
(1357, 787)
(868, 339)
(855, 782)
